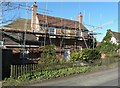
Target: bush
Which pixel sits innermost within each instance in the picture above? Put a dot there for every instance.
(74, 56)
(91, 54)
(48, 54)
(85, 55)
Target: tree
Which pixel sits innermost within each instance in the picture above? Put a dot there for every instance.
(106, 47)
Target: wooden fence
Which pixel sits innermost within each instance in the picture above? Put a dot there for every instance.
(18, 70)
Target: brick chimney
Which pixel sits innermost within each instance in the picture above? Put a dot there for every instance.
(33, 18)
(80, 17)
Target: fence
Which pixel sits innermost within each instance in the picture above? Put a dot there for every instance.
(18, 70)
(107, 61)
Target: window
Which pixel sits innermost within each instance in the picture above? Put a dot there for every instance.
(79, 34)
(1, 43)
(52, 30)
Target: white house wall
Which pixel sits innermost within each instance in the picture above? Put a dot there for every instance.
(113, 40)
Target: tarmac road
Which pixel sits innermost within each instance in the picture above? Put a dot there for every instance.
(103, 78)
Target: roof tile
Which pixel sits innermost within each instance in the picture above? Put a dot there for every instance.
(59, 22)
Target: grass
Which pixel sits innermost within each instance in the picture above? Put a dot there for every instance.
(46, 74)
(51, 74)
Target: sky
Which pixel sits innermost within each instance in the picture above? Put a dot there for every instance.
(94, 13)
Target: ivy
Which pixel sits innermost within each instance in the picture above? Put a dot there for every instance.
(106, 47)
(108, 36)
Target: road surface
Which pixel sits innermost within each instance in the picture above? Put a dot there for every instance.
(102, 78)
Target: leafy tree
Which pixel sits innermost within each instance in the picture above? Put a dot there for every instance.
(106, 46)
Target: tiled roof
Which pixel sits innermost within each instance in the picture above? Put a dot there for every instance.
(14, 38)
(19, 24)
(116, 35)
(59, 22)
(9, 41)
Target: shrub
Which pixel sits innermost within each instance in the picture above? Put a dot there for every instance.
(74, 56)
(48, 55)
(91, 54)
(48, 51)
(85, 55)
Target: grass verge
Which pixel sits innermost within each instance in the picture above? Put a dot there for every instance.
(51, 74)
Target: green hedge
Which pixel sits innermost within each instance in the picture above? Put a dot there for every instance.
(85, 55)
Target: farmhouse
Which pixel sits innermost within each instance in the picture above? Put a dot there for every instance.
(115, 37)
(63, 33)
(23, 43)
(43, 30)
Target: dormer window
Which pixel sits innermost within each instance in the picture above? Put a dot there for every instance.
(52, 31)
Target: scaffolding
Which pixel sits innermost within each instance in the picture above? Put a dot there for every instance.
(63, 36)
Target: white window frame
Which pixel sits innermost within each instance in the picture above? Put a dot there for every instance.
(52, 32)
(1, 43)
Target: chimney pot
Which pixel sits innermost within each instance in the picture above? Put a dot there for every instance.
(80, 17)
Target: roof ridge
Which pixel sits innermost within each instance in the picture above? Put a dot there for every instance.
(115, 32)
(58, 17)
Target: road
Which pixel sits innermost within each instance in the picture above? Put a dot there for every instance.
(102, 78)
